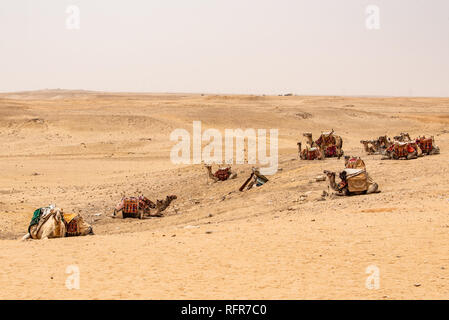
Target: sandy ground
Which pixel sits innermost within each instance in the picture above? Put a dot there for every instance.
(83, 150)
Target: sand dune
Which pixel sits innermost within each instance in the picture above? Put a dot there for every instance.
(82, 150)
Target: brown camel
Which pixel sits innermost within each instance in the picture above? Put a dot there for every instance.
(369, 149)
(363, 185)
(310, 153)
(51, 222)
(403, 151)
(331, 144)
(427, 145)
(141, 207)
(222, 174)
(403, 137)
(310, 141)
(161, 205)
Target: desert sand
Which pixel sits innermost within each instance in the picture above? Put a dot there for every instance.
(83, 150)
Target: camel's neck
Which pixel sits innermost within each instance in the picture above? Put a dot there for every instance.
(209, 172)
(332, 182)
(310, 141)
(164, 204)
(365, 145)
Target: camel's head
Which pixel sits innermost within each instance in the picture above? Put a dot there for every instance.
(307, 134)
(329, 174)
(58, 214)
(363, 141)
(172, 197)
(148, 202)
(382, 139)
(83, 227)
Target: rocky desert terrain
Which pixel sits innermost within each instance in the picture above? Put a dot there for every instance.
(83, 150)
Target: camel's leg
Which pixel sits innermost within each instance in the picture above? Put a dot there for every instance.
(373, 188)
(47, 230)
(411, 156)
(26, 237)
(435, 150)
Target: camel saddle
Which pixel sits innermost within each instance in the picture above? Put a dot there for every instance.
(402, 149)
(426, 144)
(131, 205)
(355, 163)
(311, 154)
(326, 139)
(330, 151)
(357, 179)
(71, 224)
(223, 174)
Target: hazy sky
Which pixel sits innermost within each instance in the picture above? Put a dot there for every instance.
(232, 46)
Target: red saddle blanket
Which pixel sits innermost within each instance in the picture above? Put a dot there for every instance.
(402, 150)
(223, 174)
(311, 154)
(331, 151)
(426, 145)
(131, 205)
(325, 140)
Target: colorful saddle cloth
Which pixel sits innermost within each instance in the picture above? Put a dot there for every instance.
(426, 145)
(331, 151)
(39, 213)
(131, 205)
(402, 149)
(326, 139)
(355, 163)
(357, 179)
(71, 223)
(311, 153)
(223, 174)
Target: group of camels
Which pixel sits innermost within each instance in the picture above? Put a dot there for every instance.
(401, 147)
(328, 145)
(354, 179)
(52, 222)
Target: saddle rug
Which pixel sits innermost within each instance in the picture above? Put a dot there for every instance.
(223, 174)
(72, 227)
(39, 214)
(426, 145)
(357, 180)
(355, 163)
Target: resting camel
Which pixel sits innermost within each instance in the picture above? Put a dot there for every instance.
(427, 145)
(222, 174)
(403, 137)
(50, 222)
(331, 144)
(161, 205)
(313, 153)
(342, 188)
(310, 141)
(403, 150)
(141, 207)
(370, 149)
